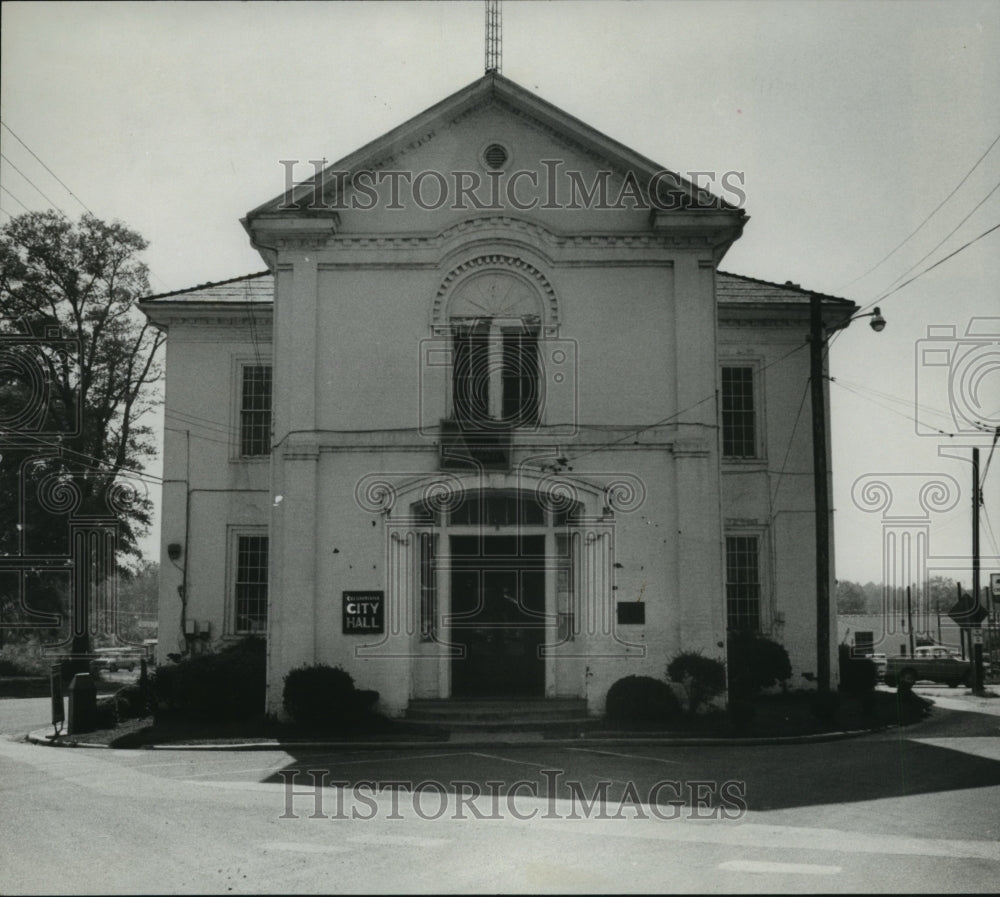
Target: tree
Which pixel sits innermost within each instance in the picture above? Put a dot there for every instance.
(138, 595)
(942, 593)
(79, 364)
(851, 598)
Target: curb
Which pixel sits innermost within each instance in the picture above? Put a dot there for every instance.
(42, 738)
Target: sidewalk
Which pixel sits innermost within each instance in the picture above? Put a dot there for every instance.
(964, 701)
(465, 740)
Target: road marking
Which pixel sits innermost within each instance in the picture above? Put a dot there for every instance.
(511, 760)
(384, 840)
(312, 761)
(771, 868)
(626, 756)
(300, 847)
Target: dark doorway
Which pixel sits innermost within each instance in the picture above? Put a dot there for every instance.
(498, 615)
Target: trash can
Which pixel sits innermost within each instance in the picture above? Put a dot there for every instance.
(82, 704)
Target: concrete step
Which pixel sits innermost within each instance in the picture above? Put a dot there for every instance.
(511, 725)
(499, 713)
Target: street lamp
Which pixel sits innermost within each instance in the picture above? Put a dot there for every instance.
(817, 340)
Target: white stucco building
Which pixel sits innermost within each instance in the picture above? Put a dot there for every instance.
(491, 423)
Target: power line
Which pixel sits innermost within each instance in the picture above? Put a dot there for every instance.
(46, 167)
(928, 218)
(989, 458)
(149, 478)
(33, 184)
(13, 197)
(927, 409)
(989, 526)
(885, 295)
(952, 231)
(788, 449)
(637, 432)
(226, 442)
(886, 407)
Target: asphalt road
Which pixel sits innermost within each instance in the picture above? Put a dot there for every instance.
(913, 810)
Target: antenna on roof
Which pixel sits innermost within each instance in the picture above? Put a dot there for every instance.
(494, 40)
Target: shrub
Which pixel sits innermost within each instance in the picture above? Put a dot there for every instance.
(755, 663)
(13, 668)
(324, 698)
(702, 677)
(858, 675)
(131, 702)
(742, 710)
(641, 699)
(24, 660)
(825, 705)
(106, 714)
(227, 685)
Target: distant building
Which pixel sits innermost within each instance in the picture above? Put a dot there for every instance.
(520, 442)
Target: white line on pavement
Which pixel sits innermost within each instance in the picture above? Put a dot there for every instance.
(301, 847)
(384, 840)
(769, 868)
(626, 756)
(511, 760)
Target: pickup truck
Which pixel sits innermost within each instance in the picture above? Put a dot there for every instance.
(932, 663)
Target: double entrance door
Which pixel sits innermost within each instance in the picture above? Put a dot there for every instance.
(497, 617)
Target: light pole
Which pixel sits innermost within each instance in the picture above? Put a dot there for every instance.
(817, 340)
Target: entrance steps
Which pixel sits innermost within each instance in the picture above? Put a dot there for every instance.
(486, 714)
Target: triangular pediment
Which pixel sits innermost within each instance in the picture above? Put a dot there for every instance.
(492, 98)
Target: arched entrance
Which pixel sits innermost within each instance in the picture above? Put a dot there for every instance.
(498, 589)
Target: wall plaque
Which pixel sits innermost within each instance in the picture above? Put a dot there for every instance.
(364, 613)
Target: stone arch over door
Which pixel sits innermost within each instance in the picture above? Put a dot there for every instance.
(496, 285)
(562, 582)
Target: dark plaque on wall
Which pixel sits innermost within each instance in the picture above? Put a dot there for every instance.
(364, 613)
(631, 612)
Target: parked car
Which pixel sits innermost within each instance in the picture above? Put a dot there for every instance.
(931, 663)
(880, 664)
(114, 659)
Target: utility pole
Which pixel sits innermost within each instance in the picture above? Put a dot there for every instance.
(821, 487)
(821, 476)
(909, 619)
(977, 644)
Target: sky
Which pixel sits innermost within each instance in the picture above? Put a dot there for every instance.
(851, 124)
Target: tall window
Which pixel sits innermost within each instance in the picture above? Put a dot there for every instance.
(743, 582)
(495, 376)
(739, 422)
(428, 585)
(255, 411)
(251, 584)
